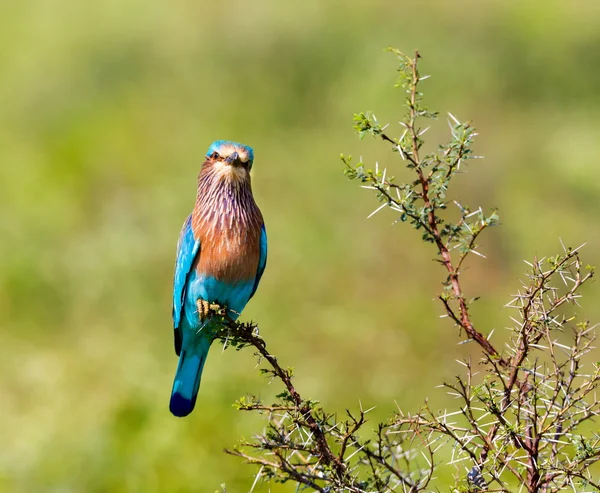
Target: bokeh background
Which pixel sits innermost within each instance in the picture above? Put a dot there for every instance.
(106, 110)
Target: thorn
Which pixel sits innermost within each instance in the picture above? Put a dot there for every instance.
(477, 253)
(377, 210)
(454, 118)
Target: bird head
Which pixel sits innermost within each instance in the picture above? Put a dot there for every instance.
(230, 159)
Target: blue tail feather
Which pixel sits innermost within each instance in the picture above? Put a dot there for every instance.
(187, 378)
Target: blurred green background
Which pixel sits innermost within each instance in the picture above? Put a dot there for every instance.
(106, 110)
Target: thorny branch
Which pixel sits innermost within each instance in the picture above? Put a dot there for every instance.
(301, 430)
(302, 411)
(428, 219)
(519, 424)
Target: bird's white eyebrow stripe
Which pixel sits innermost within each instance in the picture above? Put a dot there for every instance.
(226, 150)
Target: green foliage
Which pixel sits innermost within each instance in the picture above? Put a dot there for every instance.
(434, 171)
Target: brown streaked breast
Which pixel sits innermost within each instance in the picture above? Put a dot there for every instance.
(228, 224)
(229, 245)
(230, 255)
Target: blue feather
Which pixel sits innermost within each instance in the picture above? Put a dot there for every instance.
(235, 297)
(189, 371)
(187, 250)
(262, 261)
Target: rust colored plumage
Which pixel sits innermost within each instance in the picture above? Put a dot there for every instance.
(228, 224)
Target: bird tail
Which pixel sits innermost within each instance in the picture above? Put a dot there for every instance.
(187, 377)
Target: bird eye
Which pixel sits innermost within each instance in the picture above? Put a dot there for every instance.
(215, 155)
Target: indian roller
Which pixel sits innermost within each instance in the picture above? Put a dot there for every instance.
(221, 256)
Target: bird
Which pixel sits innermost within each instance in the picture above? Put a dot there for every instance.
(221, 257)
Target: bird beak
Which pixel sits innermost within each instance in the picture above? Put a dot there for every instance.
(232, 158)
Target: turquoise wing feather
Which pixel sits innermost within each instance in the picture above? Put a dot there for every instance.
(262, 260)
(187, 251)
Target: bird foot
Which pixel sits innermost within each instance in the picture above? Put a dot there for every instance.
(205, 308)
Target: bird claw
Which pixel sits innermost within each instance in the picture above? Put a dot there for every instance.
(206, 309)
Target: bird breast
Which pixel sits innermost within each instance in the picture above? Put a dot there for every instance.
(229, 231)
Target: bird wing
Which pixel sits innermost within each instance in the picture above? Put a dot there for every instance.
(262, 260)
(187, 251)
